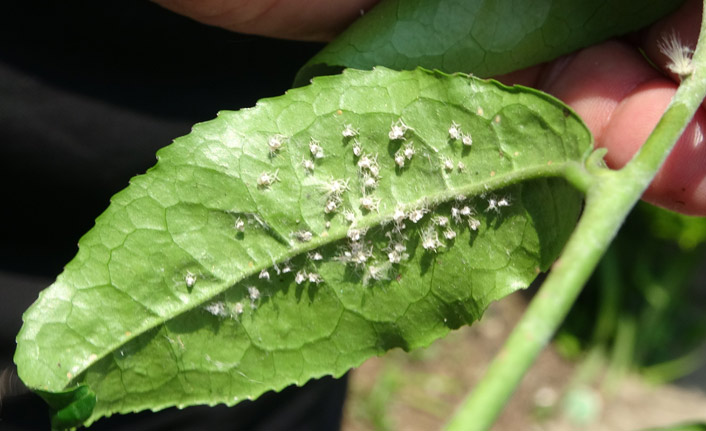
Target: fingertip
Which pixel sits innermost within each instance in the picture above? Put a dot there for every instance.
(595, 80)
(680, 184)
(633, 119)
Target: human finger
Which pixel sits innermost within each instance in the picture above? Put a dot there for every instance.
(301, 20)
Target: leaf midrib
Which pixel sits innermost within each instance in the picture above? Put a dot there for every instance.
(365, 222)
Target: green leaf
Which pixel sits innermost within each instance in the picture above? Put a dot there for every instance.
(70, 408)
(484, 37)
(167, 302)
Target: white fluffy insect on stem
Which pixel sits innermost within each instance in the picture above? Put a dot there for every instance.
(679, 55)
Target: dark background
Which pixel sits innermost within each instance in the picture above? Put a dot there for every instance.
(89, 90)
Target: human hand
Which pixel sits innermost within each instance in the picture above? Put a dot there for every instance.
(318, 20)
(611, 85)
(621, 97)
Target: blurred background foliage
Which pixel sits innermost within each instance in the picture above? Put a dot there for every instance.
(643, 309)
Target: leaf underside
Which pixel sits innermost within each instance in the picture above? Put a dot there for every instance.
(235, 266)
(486, 38)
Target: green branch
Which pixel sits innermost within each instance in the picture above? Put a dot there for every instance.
(609, 199)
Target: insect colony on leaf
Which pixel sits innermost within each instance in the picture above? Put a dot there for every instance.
(438, 232)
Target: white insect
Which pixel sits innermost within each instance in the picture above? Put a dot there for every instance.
(454, 130)
(217, 309)
(430, 240)
(266, 179)
(466, 139)
(315, 148)
(357, 254)
(397, 252)
(679, 55)
(314, 278)
(308, 165)
(238, 309)
(349, 131)
(367, 161)
(474, 224)
(240, 224)
(399, 158)
(275, 143)
(287, 268)
(441, 221)
(253, 293)
(408, 150)
(503, 202)
(398, 216)
(264, 274)
(370, 204)
(315, 256)
(349, 216)
(397, 130)
(461, 166)
(369, 181)
(447, 164)
(449, 234)
(335, 188)
(377, 272)
(303, 235)
(300, 277)
(190, 279)
(492, 205)
(456, 214)
(416, 215)
(331, 206)
(355, 234)
(466, 211)
(357, 148)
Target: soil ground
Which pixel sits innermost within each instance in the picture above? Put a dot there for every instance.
(419, 391)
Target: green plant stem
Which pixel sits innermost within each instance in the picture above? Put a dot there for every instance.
(609, 200)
